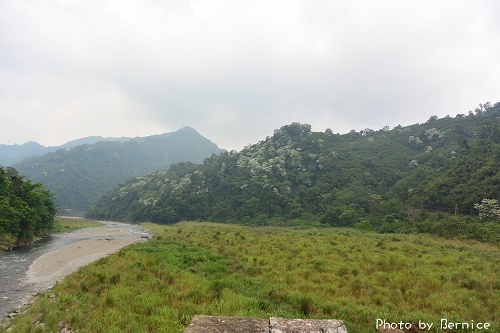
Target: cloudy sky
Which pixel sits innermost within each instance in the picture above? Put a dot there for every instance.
(235, 70)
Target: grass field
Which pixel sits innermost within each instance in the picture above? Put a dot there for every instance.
(216, 269)
(66, 224)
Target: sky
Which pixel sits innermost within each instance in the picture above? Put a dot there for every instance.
(236, 70)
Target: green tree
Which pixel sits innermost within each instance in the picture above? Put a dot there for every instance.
(489, 209)
(26, 210)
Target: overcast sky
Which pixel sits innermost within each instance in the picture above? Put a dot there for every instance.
(236, 70)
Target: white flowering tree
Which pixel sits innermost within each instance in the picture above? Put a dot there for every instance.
(489, 209)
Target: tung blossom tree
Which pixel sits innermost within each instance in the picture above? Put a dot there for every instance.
(489, 209)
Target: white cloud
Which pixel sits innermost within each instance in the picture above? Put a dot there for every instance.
(235, 70)
(59, 109)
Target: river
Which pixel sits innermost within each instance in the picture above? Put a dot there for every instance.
(15, 264)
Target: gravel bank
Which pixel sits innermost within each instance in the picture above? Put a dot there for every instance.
(53, 266)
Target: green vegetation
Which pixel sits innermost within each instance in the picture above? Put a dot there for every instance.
(80, 174)
(424, 178)
(307, 272)
(26, 210)
(64, 224)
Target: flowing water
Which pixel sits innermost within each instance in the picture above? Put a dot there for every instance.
(14, 264)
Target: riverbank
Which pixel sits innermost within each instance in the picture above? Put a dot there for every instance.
(71, 223)
(6, 243)
(54, 266)
(62, 224)
(79, 248)
(98, 242)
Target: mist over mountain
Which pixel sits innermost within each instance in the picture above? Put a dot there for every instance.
(79, 173)
(12, 154)
(384, 180)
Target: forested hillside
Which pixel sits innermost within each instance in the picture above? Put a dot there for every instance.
(386, 180)
(26, 210)
(81, 174)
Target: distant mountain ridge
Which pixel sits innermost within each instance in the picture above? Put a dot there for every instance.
(79, 173)
(91, 140)
(12, 154)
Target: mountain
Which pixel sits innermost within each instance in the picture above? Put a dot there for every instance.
(79, 175)
(385, 180)
(12, 154)
(89, 141)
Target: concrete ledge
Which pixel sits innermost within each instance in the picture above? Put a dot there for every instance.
(213, 324)
(281, 325)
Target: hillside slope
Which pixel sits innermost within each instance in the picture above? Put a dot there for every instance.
(378, 180)
(81, 174)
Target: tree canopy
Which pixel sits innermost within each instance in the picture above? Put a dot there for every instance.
(26, 209)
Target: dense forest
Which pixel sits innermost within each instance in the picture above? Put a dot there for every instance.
(79, 175)
(26, 209)
(429, 177)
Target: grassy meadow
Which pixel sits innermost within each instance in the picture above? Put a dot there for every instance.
(325, 273)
